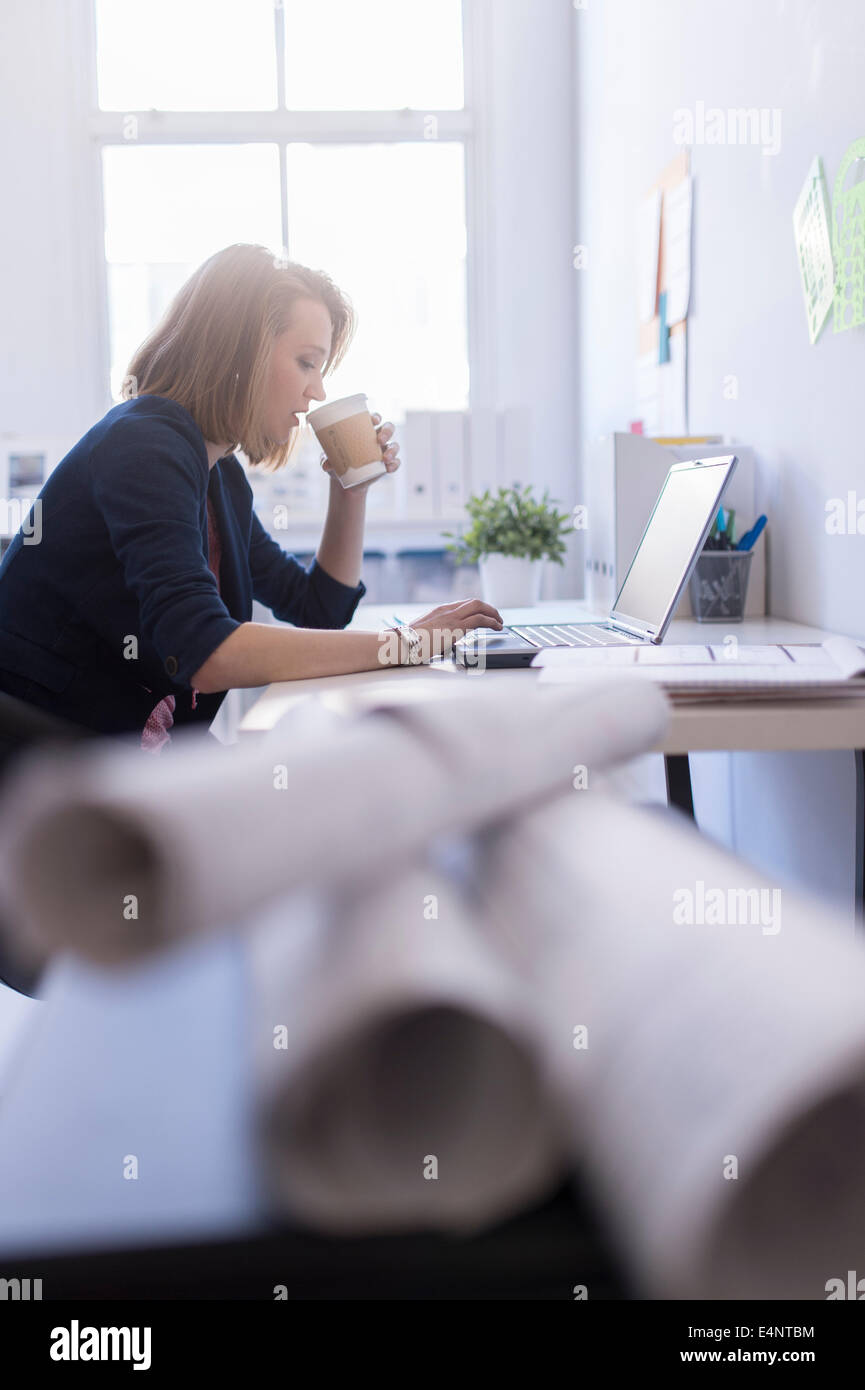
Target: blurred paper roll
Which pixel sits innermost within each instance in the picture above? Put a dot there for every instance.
(705, 1035)
(113, 854)
(399, 1081)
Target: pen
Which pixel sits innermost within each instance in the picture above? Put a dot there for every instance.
(725, 530)
(730, 528)
(751, 537)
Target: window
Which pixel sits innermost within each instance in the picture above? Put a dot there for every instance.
(197, 55)
(391, 54)
(244, 120)
(406, 279)
(167, 208)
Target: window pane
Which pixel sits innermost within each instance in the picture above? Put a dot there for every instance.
(345, 55)
(387, 223)
(169, 207)
(186, 55)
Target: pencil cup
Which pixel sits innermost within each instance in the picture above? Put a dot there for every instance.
(719, 584)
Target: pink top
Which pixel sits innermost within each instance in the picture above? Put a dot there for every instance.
(155, 733)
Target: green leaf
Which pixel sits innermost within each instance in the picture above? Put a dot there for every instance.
(515, 523)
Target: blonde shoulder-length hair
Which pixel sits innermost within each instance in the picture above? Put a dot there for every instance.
(211, 351)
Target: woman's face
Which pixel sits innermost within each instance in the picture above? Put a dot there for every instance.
(299, 355)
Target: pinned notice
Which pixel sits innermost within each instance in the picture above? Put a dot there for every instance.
(677, 249)
(649, 232)
(848, 238)
(814, 248)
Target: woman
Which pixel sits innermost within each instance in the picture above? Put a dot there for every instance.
(132, 612)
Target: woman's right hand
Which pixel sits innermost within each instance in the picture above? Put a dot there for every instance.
(445, 625)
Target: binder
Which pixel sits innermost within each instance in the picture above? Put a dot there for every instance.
(418, 494)
(450, 462)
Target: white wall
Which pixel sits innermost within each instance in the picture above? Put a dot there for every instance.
(638, 61)
(531, 155)
(52, 378)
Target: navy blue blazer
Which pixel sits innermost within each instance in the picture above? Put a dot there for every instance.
(115, 606)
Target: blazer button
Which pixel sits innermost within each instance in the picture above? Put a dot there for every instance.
(171, 665)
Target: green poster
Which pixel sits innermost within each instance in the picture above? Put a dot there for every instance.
(848, 238)
(814, 248)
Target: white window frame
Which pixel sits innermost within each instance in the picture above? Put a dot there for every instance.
(281, 127)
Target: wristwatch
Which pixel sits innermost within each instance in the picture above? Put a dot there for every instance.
(410, 645)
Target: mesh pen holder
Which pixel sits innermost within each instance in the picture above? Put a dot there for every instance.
(718, 585)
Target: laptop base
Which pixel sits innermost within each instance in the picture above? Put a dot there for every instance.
(518, 644)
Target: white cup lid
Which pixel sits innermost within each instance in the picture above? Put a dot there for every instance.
(335, 411)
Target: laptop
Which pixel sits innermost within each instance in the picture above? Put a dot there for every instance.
(680, 522)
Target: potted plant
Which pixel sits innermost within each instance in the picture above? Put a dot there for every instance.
(509, 537)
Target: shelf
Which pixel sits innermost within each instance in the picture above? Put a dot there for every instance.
(312, 521)
(380, 533)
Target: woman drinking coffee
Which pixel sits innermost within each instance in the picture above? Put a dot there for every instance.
(133, 611)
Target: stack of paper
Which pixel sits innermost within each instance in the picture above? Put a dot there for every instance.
(725, 670)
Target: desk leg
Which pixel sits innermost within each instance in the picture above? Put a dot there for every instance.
(677, 770)
(859, 904)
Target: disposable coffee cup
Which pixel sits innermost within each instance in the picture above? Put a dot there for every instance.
(345, 431)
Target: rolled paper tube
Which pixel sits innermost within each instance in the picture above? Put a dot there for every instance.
(400, 1085)
(720, 1019)
(113, 855)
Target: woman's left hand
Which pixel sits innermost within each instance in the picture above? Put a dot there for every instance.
(383, 433)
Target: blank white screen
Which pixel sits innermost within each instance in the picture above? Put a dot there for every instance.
(688, 499)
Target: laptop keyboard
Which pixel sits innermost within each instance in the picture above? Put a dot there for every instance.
(573, 635)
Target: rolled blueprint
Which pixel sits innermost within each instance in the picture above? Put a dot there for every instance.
(399, 1085)
(704, 1031)
(113, 855)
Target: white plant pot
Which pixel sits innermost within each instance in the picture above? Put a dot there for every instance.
(509, 582)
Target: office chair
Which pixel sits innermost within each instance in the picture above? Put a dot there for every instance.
(22, 728)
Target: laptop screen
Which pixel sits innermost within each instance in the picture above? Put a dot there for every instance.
(682, 516)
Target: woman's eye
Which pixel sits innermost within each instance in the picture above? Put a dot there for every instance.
(309, 365)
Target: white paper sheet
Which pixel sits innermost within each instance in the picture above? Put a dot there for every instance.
(648, 242)
(677, 249)
(834, 665)
(662, 390)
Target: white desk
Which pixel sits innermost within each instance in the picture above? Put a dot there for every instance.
(763, 726)
(811, 725)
